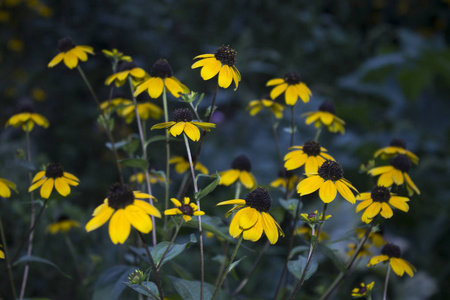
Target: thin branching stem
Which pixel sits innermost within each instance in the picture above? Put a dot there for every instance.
(178, 227)
(8, 260)
(155, 269)
(292, 125)
(386, 282)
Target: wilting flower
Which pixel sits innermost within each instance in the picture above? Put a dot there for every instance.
(292, 88)
(125, 208)
(63, 225)
(53, 176)
(325, 116)
(70, 53)
(329, 179)
(126, 69)
(161, 76)
(240, 170)
(378, 201)
(311, 154)
(27, 118)
(222, 63)
(396, 173)
(186, 209)
(363, 290)
(182, 122)
(391, 253)
(252, 217)
(5, 188)
(286, 179)
(182, 165)
(255, 106)
(397, 146)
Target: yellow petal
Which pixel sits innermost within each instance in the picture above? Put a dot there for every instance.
(254, 233)
(397, 176)
(5, 192)
(385, 180)
(295, 159)
(70, 60)
(278, 90)
(303, 91)
(309, 185)
(248, 217)
(147, 208)
(345, 192)
(100, 218)
(47, 188)
(411, 184)
(40, 175)
(229, 177)
(377, 259)
(62, 187)
(137, 72)
(291, 95)
(399, 202)
(119, 227)
(71, 176)
(163, 125)
(210, 69)
(327, 191)
(312, 164)
(155, 87)
(234, 201)
(270, 229)
(176, 202)
(173, 212)
(373, 210)
(191, 131)
(275, 81)
(79, 53)
(225, 76)
(247, 179)
(138, 218)
(178, 128)
(386, 211)
(56, 60)
(142, 87)
(363, 205)
(326, 118)
(234, 229)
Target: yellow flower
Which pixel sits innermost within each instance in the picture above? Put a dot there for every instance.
(325, 116)
(5, 188)
(117, 103)
(63, 225)
(396, 173)
(182, 122)
(306, 231)
(116, 55)
(186, 209)
(182, 165)
(161, 77)
(2, 255)
(70, 53)
(314, 217)
(125, 208)
(363, 290)
(376, 202)
(329, 180)
(376, 238)
(140, 178)
(126, 69)
(397, 146)
(391, 253)
(27, 118)
(365, 250)
(255, 106)
(311, 154)
(252, 220)
(240, 169)
(285, 179)
(222, 63)
(53, 176)
(145, 110)
(292, 88)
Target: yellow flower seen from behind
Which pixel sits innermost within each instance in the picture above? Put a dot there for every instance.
(27, 119)
(53, 177)
(255, 106)
(70, 53)
(182, 165)
(126, 69)
(396, 146)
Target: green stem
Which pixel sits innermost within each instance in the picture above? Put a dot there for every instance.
(237, 194)
(74, 257)
(155, 269)
(386, 282)
(178, 227)
(166, 119)
(225, 272)
(292, 125)
(318, 132)
(8, 261)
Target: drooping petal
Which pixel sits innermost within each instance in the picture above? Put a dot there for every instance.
(397, 176)
(309, 185)
(377, 259)
(399, 202)
(275, 81)
(385, 180)
(62, 187)
(229, 177)
(234, 229)
(386, 211)
(291, 95)
(138, 218)
(38, 176)
(363, 205)
(345, 192)
(373, 210)
(397, 266)
(233, 201)
(147, 208)
(155, 87)
(254, 233)
(172, 212)
(312, 164)
(56, 60)
(247, 179)
(70, 60)
(225, 76)
(192, 131)
(100, 218)
(210, 68)
(119, 227)
(142, 87)
(295, 159)
(173, 86)
(79, 53)
(326, 118)
(175, 202)
(163, 125)
(270, 229)
(248, 217)
(328, 191)
(47, 188)
(178, 128)
(278, 90)
(304, 92)
(411, 184)
(380, 170)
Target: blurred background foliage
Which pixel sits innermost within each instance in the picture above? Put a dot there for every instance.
(385, 64)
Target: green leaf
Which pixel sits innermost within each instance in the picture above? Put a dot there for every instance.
(175, 250)
(414, 81)
(296, 267)
(190, 290)
(297, 249)
(234, 264)
(135, 163)
(142, 290)
(108, 123)
(209, 188)
(208, 110)
(331, 254)
(109, 284)
(154, 139)
(199, 100)
(31, 258)
(213, 225)
(291, 205)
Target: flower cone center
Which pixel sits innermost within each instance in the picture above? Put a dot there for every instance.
(226, 55)
(241, 163)
(182, 115)
(186, 210)
(331, 170)
(161, 69)
(380, 194)
(65, 44)
(391, 250)
(311, 148)
(328, 106)
(259, 199)
(401, 162)
(54, 170)
(120, 196)
(126, 66)
(292, 78)
(398, 143)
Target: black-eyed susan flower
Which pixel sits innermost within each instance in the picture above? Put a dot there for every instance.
(5, 188)
(53, 177)
(375, 237)
(27, 118)
(70, 53)
(325, 116)
(292, 88)
(182, 123)
(252, 217)
(311, 155)
(126, 69)
(396, 173)
(161, 76)
(286, 179)
(363, 290)
(365, 250)
(379, 201)
(329, 180)
(139, 178)
(124, 208)
(240, 170)
(63, 225)
(391, 253)
(117, 103)
(145, 110)
(182, 165)
(396, 146)
(187, 209)
(116, 55)
(2, 254)
(266, 102)
(222, 63)
(306, 231)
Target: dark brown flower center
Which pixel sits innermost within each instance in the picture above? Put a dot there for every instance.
(362, 290)
(401, 162)
(54, 170)
(398, 143)
(331, 170)
(120, 196)
(259, 199)
(328, 106)
(312, 215)
(311, 148)
(283, 173)
(182, 115)
(161, 69)
(186, 209)
(26, 107)
(126, 66)
(226, 55)
(391, 250)
(65, 44)
(380, 194)
(62, 218)
(292, 78)
(241, 163)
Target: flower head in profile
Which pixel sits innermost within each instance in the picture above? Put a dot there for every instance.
(329, 180)
(292, 88)
(126, 69)
(182, 123)
(145, 110)
(5, 188)
(240, 170)
(396, 146)
(182, 165)
(53, 177)
(286, 179)
(363, 290)
(314, 218)
(63, 225)
(325, 116)
(187, 209)
(70, 53)
(27, 118)
(252, 217)
(161, 77)
(391, 253)
(396, 173)
(117, 103)
(311, 155)
(222, 63)
(255, 106)
(379, 201)
(124, 208)
(139, 178)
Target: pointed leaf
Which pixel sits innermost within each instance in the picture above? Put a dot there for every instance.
(31, 258)
(143, 289)
(209, 188)
(109, 284)
(190, 290)
(296, 267)
(175, 250)
(135, 163)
